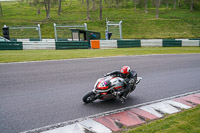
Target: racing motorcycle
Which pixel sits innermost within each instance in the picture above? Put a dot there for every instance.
(105, 89)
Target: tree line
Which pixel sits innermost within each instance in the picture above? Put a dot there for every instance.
(100, 4)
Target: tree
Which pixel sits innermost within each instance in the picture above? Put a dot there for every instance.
(59, 7)
(47, 8)
(30, 3)
(135, 2)
(157, 8)
(179, 3)
(117, 3)
(191, 5)
(1, 10)
(38, 11)
(167, 2)
(154, 3)
(88, 10)
(100, 16)
(145, 6)
(174, 4)
(93, 7)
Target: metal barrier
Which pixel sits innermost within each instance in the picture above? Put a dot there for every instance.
(67, 26)
(114, 24)
(36, 27)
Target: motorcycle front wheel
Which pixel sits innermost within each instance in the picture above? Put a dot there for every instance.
(89, 97)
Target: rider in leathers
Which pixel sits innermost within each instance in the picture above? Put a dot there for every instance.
(130, 78)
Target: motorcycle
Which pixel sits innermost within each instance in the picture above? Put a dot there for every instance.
(105, 89)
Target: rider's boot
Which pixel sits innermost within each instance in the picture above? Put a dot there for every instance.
(122, 99)
(120, 96)
(117, 94)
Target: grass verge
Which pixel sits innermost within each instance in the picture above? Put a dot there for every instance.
(184, 122)
(39, 55)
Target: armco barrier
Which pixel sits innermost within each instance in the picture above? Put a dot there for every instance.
(194, 39)
(28, 40)
(128, 43)
(172, 43)
(21, 44)
(38, 45)
(104, 44)
(95, 44)
(11, 46)
(22, 40)
(190, 43)
(72, 45)
(151, 42)
(32, 39)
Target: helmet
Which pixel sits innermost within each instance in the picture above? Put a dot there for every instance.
(125, 70)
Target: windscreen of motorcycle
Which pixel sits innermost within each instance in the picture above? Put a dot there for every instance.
(103, 83)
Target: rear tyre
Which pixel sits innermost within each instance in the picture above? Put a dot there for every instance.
(89, 97)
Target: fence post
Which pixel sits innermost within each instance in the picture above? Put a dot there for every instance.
(120, 29)
(107, 29)
(85, 26)
(39, 32)
(55, 32)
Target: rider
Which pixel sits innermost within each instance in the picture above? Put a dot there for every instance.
(130, 78)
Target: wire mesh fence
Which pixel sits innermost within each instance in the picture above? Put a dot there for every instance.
(63, 32)
(32, 32)
(115, 28)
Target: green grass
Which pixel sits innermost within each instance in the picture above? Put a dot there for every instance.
(184, 122)
(180, 23)
(38, 55)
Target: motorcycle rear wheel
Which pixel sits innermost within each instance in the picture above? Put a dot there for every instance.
(89, 97)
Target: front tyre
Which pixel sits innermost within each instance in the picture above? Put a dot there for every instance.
(89, 97)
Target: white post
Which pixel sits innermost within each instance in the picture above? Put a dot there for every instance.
(120, 29)
(85, 26)
(107, 29)
(107, 26)
(56, 39)
(40, 36)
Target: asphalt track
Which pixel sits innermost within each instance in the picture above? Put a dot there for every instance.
(37, 94)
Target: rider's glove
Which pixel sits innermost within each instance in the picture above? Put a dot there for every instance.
(132, 81)
(106, 74)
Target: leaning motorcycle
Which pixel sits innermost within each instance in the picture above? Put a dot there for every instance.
(105, 89)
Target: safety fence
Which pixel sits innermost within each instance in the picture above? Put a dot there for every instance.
(63, 31)
(22, 32)
(11, 46)
(25, 44)
(44, 44)
(145, 43)
(71, 45)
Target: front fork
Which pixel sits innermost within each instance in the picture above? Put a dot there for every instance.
(97, 94)
(138, 80)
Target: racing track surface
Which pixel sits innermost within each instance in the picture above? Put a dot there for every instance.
(37, 94)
